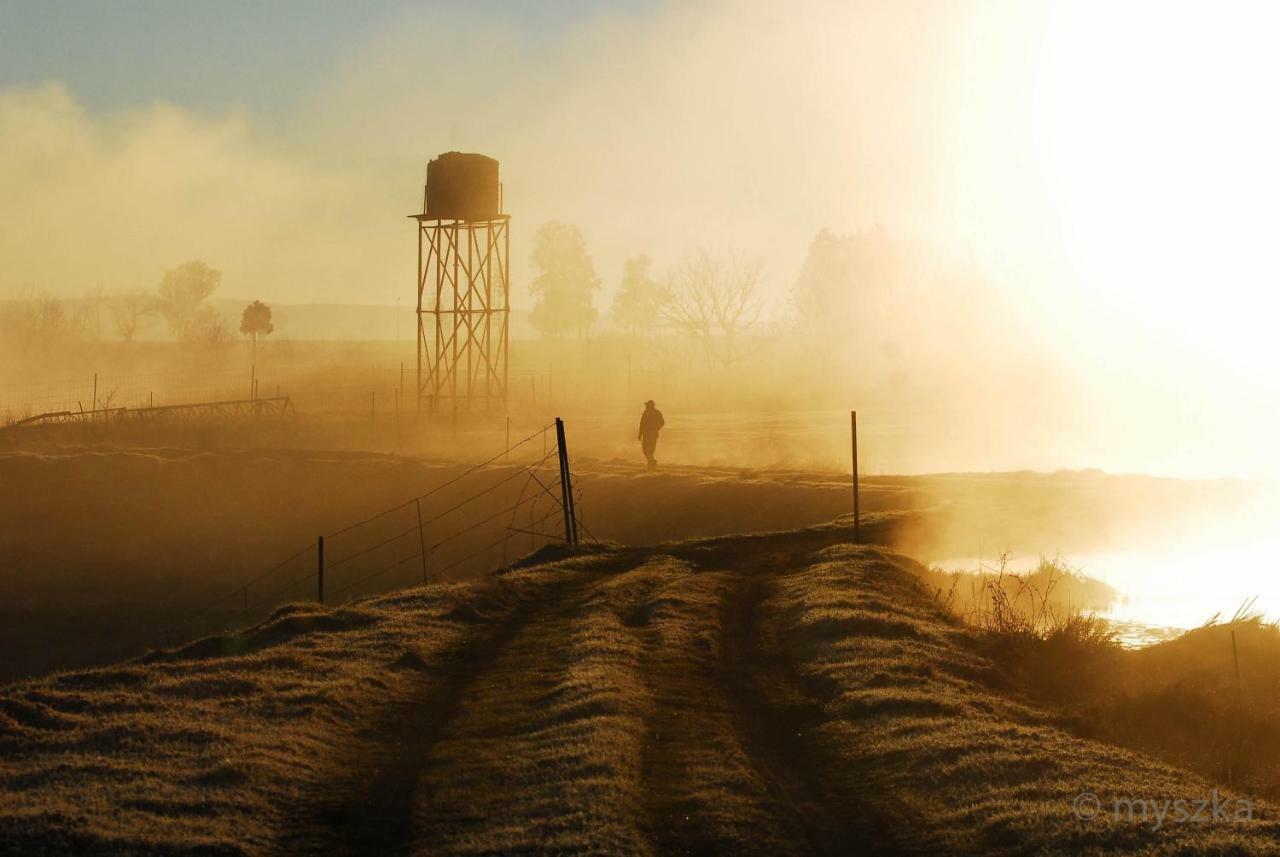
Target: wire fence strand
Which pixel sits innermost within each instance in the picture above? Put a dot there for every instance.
(444, 485)
(423, 554)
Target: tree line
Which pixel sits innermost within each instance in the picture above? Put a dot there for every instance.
(858, 290)
(712, 300)
(180, 299)
(862, 290)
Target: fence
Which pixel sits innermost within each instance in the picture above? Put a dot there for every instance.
(277, 407)
(108, 390)
(335, 383)
(446, 532)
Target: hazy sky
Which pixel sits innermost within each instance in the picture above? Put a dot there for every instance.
(1111, 167)
(212, 55)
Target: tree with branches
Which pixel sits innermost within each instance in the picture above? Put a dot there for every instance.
(566, 283)
(848, 287)
(255, 323)
(181, 299)
(128, 310)
(639, 304)
(714, 301)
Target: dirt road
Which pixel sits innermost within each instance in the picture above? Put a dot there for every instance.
(779, 693)
(626, 707)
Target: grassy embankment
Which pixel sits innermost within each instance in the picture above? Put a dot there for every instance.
(1208, 700)
(780, 693)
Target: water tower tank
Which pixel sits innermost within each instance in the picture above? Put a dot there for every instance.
(462, 186)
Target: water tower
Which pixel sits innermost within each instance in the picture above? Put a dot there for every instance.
(464, 285)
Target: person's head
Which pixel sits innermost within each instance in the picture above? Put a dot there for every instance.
(648, 406)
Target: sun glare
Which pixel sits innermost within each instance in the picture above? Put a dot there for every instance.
(1161, 140)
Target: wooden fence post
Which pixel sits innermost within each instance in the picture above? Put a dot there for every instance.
(422, 542)
(320, 570)
(566, 487)
(853, 428)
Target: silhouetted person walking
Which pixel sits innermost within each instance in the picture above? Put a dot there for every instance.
(651, 422)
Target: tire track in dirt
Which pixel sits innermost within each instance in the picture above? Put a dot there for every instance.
(363, 800)
(631, 708)
(773, 717)
(604, 726)
(704, 793)
(543, 755)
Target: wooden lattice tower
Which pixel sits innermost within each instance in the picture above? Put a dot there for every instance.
(464, 287)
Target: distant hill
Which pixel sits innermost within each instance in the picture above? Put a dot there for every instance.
(328, 321)
(360, 322)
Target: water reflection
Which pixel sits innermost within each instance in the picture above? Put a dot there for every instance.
(1165, 592)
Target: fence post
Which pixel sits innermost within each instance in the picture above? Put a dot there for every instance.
(320, 570)
(853, 429)
(422, 543)
(95, 393)
(566, 487)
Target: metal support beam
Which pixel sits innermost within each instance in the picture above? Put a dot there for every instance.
(463, 327)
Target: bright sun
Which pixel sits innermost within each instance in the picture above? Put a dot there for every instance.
(1162, 144)
(1117, 166)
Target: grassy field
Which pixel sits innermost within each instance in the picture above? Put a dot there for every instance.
(778, 693)
(106, 549)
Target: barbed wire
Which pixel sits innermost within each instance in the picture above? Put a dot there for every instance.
(577, 499)
(484, 521)
(444, 485)
(368, 550)
(375, 574)
(530, 469)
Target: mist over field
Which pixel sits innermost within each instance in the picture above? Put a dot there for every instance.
(638, 427)
(1109, 275)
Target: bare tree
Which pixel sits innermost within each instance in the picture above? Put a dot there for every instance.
(209, 328)
(38, 320)
(714, 298)
(88, 312)
(128, 309)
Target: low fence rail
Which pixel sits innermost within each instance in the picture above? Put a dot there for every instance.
(274, 406)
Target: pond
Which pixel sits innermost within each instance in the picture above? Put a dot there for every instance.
(1165, 591)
